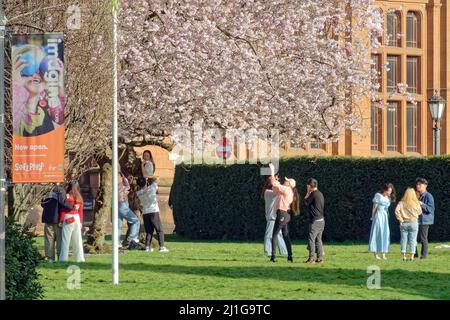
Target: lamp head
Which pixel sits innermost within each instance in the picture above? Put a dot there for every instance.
(437, 106)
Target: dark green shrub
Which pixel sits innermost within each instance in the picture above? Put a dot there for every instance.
(22, 258)
(223, 202)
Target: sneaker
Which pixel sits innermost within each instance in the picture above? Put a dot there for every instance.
(133, 240)
(310, 261)
(290, 259)
(273, 259)
(163, 249)
(319, 261)
(148, 249)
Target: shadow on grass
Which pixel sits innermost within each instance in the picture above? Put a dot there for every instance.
(424, 284)
(170, 238)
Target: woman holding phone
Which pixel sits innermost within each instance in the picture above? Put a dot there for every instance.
(288, 202)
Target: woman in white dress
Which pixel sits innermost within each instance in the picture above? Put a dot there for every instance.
(379, 233)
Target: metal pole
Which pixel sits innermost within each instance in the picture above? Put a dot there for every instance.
(2, 154)
(436, 138)
(115, 161)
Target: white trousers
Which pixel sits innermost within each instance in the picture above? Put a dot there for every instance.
(71, 233)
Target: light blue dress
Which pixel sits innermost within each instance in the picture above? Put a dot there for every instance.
(379, 233)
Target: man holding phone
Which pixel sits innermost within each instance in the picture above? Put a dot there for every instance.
(314, 202)
(426, 219)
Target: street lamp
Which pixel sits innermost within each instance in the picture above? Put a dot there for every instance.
(437, 106)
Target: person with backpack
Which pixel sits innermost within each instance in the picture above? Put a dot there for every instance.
(52, 204)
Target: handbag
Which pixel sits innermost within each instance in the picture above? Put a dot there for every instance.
(70, 220)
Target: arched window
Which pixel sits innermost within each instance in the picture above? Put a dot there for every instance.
(393, 29)
(412, 30)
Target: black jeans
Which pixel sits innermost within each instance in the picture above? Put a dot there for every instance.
(423, 238)
(315, 239)
(281, 224)
(152, 223)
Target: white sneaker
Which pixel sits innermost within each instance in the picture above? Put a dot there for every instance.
(135, 240)
(148, 249)
(163, 249)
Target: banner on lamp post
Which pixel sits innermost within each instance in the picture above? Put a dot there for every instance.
(38, 101)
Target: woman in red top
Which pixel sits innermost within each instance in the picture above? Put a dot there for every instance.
(72, 222)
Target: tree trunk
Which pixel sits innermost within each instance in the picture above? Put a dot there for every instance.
(96, 234)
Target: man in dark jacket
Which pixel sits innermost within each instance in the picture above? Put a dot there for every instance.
(314, 202)
(52, 205)
(426, 219)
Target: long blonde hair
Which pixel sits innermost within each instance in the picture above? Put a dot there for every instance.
(410, 198)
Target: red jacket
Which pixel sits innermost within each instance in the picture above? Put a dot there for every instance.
(74, 211)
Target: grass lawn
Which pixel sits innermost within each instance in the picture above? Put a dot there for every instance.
(239, 270)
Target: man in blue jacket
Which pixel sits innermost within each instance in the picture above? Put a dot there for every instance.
(52, 204)
(426, 219)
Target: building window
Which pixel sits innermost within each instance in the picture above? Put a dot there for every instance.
(411, 127)
(375, 127)
(412, 30)
(376, 58)
(392, 119)
(318, 146)
(412, 68)
(393, 73)
(393, 29)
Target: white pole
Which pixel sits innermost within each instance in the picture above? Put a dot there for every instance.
(115, 162)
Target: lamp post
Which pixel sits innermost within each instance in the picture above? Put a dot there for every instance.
(437, 106)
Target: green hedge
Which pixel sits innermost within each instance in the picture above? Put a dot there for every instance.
(22, 259)
(223, 202)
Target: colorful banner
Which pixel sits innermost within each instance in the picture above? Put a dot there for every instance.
(38, 101)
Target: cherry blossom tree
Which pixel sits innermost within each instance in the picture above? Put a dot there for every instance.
(302, 67)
